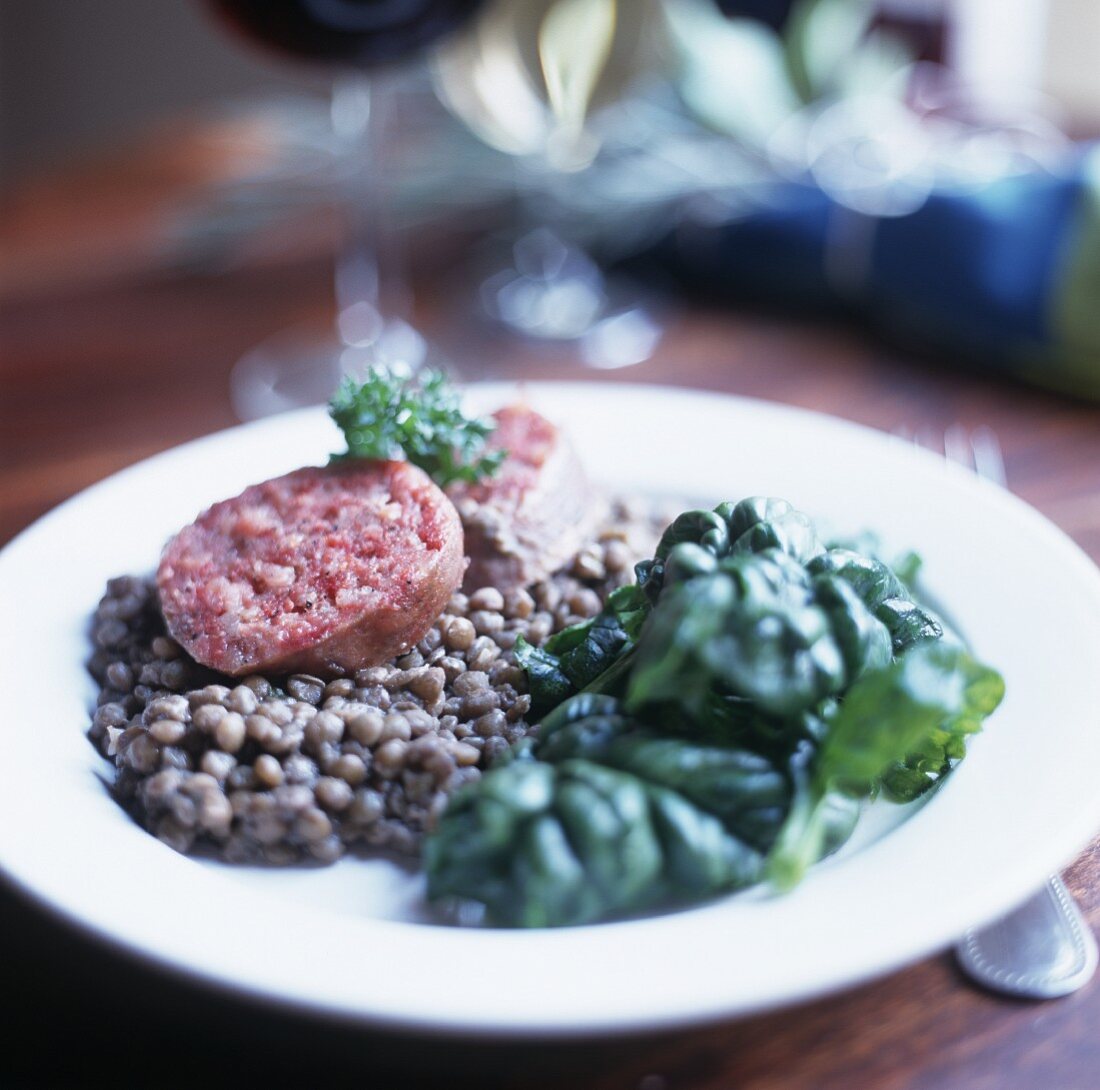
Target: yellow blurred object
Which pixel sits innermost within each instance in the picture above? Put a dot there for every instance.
(527, 75)
(574, 43)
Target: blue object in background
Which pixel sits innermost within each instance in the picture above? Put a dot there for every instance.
(981, 265)
(1006, 274)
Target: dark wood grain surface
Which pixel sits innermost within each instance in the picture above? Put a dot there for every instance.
(99, 373)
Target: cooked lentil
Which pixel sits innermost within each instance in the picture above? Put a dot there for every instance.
(280, 770)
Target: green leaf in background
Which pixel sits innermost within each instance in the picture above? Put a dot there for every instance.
(707, 529)
(696, 539)
(733, 72)
(1074, 315)
(881, 65)
(822, 38)
(574, 43)
(905, 565)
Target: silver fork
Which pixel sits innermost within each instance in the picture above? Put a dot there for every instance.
(1044, 948)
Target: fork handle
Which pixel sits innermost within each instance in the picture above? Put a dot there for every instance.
(1041, 950)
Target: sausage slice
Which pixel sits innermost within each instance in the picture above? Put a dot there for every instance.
(524, 523)
(325, 570)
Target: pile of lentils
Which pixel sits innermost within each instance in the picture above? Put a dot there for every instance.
(290, 769)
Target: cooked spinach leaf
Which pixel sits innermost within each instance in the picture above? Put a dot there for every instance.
(544, 844)
(760, 628)
(740, 786)
(585, 655)
(883, 593)
(905, 565)
(720, 722)
(879, 735)
(546, 682)
(697, 538)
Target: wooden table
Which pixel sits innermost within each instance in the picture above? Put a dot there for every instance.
(96, 375)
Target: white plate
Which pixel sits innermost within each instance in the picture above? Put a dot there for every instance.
(346, 940)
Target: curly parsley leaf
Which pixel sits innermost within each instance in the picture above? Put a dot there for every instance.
(418, 420)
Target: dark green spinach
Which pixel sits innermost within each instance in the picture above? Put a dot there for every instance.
(585, 655)
(569, 839)
(761, 628)
(880, 736)
(718, 723)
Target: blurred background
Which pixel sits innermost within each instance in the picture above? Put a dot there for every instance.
(249, 198)
(582, 167)
(76, 76)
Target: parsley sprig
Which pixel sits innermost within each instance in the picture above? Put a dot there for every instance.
(388, 416)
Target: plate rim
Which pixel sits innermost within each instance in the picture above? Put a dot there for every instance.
(997, 898)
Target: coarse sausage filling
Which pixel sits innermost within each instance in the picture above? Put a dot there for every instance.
(523, 523)
(285, 564)
(529, 439)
